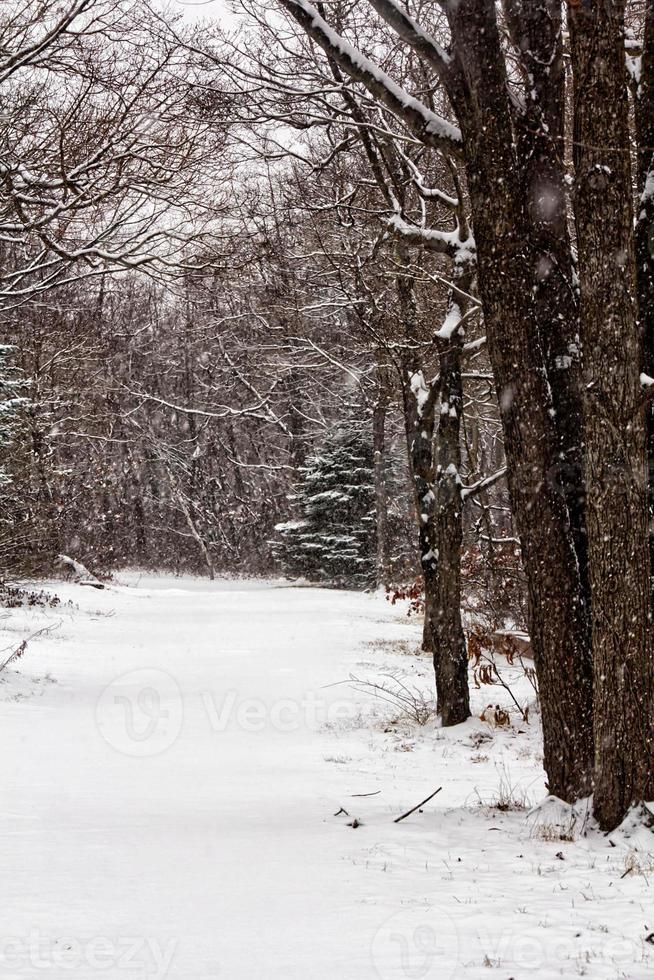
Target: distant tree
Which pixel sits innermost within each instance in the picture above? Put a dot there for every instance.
(333, 538)
(12, 400)
(16, 526)
(106, 162)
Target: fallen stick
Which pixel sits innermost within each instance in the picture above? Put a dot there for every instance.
(376, 793)
(417, 807)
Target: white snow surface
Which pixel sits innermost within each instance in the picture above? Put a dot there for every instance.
(174, 753)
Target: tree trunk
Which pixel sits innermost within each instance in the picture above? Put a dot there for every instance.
(506, 266)
(474, 73)
(185, 508)
(449, 646)
(536, 32)
(644, 116)
(616, 451)
(381, 497)
(438, 505)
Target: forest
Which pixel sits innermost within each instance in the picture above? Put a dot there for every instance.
(327, 344)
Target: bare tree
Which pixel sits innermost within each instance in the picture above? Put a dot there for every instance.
(107, 161)
(472, 71)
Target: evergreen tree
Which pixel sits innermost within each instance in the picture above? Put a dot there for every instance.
(332, 539)
(19, 538)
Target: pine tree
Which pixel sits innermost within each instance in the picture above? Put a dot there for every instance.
(13, 464)
(333, 538)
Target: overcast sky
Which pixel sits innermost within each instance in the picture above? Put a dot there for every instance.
(203, 8)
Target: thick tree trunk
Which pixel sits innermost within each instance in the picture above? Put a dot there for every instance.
(644, 115)
(616, 451)
(506, 266)
(536, 33)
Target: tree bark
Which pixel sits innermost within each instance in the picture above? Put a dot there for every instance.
(379, 455)
(644, 117)
(449, 646)
(506, 265)
(437, 496)
(616, 451)
(536, 31)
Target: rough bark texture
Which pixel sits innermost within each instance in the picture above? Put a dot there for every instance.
(616, 455)
(381, 497)
(506, 263)
(452, 670)
(644, 116)
(536, 33)
(437, 495)
(511, 179)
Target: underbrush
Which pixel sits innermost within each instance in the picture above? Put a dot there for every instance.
(409, 702)
(17, 597)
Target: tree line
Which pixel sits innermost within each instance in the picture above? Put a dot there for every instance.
(426, 224)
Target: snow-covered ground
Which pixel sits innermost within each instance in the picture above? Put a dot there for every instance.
(176, 757)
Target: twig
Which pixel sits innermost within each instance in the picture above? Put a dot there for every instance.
(506, 687)
(376, 793)
(18, 652)
(417, 807)
(22, 646)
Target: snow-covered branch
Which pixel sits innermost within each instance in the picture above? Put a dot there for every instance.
(427, 125)
(421, 40)
(485, 484)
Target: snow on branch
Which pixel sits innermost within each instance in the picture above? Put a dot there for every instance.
(646, 389)
(428, 126)
(445, 242)
(421, 391)
(451, 323)
(485, 484)
(474, 346)
(433, 193)
(11, 61)
(411, 32)
(258, 410)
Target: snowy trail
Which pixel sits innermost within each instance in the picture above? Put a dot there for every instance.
(169, 800)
